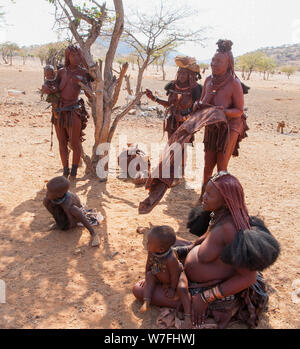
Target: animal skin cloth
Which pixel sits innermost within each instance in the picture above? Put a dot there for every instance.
(246, 307)
(159, 181)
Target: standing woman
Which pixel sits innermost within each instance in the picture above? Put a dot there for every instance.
(70, 118)
(182, 93)
(223, 89)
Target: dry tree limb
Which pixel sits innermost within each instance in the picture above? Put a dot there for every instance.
(122, 114)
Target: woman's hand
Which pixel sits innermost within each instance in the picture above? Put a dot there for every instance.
(199, 310)
(224, 110)
(169, 292)
(195, 106)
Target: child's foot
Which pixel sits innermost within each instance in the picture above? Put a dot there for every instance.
(53, 226)
(96, 241)
(144, 308)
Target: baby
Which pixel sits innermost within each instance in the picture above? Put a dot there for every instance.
(50, 88)
(163, 266)
(66, 209)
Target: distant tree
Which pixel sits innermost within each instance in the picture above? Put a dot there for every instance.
(4, 53)
(288, 70)
(132, 59)
(55, 53)
(150, 33)
(165, 52)
(41, 52)
(203, 67)
(266, 65)
(121, 61)
(25, 52)
(8, 50)
(249, 63)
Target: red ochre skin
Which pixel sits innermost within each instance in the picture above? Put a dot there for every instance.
(203, 264)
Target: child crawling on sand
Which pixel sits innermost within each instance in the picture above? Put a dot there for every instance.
(163, 267)
(66, 209)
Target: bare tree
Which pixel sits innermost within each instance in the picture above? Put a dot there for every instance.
(165, 52)
(8, 50)
(86, 24)
(149, 34)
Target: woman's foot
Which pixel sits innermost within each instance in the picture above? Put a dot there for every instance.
(187, 322)
(74, 171)
(66, 172)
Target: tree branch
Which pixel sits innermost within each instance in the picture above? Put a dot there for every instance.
(119, 84)
(118, 30)
(78, 14)
(72, 26)
(88, 90)
(122, 114)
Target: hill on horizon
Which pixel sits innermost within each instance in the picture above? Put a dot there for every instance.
(284, 54)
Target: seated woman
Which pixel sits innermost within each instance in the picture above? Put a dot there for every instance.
(221, 268)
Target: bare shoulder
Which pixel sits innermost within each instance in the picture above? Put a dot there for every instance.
(73, 199)
(228, 231)
(237, 85)
(208, 80)
(224, 233)
(172, 259)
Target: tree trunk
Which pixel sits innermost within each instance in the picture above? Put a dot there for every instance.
(140, 76)
(4, 59)
(248, 77)
(97, 111)
(128, 85)
(163, 68)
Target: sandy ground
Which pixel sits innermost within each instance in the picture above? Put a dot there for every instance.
(56, 280)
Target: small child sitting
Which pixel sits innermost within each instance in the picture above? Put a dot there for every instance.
(66, 208)
(163, 266)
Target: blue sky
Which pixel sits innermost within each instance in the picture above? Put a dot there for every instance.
(250, 24)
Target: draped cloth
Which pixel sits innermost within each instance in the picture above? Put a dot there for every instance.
(247, 307)
(163, 175)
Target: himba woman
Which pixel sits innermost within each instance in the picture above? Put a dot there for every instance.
(221, 276)
(223, 89)
(70, 118)
(182, 93)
